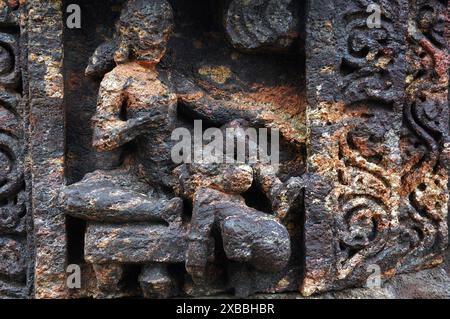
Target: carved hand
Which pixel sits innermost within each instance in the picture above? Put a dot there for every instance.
(111, 134)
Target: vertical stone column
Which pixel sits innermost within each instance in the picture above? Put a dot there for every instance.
(364, 212)
(45, 58)
(424, 137)
(15, 253)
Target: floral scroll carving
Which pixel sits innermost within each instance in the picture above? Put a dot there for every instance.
(13, 198)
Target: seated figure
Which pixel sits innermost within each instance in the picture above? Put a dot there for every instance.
(256, 244)
(133, 106)
(133, 217)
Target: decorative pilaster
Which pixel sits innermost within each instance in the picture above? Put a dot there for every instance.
(373, 202)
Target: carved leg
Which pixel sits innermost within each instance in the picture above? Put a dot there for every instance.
(155, 281)
(108, 278)
(104, 198)
(202, 222)
(256, 239)
(240, 279)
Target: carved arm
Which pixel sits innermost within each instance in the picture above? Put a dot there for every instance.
(110, 131)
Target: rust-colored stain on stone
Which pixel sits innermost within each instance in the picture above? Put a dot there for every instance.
(86, 169)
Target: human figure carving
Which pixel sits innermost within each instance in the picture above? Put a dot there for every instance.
(250, 237)
(133, 106)
(252, 240)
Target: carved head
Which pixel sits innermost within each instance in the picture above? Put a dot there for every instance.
(143, 31)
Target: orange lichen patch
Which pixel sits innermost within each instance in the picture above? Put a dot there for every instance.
(314, 282)
(353, 173)
(139, 84)
(283, 106)
(327, 113)
(45, 285)
(191, 96)
(135, 70)
(389, 273)
(325, 165)
(57, 164)
(430, 194)
(281, 98)
(411, 181)
(218, 74)
(440, 58)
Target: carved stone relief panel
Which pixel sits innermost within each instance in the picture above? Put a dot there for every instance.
(14, 210)
(379, 125)
(145, 226)
(353, 93)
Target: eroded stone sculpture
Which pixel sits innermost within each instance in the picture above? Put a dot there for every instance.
(365, 201)
(13, 196)
(133, 105)
(377, 150)
(257, 243)
(125, 207)
(262, 24)
(87, 178)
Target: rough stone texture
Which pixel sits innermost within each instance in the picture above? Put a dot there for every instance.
(252, 240)
(86, 175)
(424, 140)
(125, 208)
(258, 25)
(135, 244)
(374, 200)
(156, 282)
(425, 284)
(15, 253)
(46, 89)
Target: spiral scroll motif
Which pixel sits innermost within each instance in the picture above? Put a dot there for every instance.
(12, 195)
(368, 62)
(366, 186)
(364, 218)
(12, 198)
(426, 119)
(9, 66)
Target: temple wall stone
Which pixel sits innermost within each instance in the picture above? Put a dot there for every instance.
(378, 197)
(356, 91)
(16, 259)
(47, 148)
